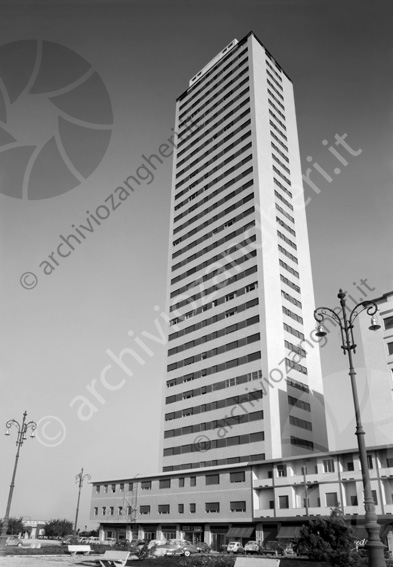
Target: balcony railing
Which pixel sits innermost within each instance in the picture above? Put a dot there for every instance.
(263, 483)
(264, 513)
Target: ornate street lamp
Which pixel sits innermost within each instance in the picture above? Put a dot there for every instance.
(374, 546)
(20, 439)
(79, 480)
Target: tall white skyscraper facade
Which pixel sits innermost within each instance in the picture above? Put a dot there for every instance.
(243, 380)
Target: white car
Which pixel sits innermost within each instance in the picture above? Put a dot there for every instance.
(252, 547)
(93, 539)
(14, 540)
(235, 547)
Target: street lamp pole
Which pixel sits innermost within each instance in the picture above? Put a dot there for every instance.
(20, 439)
(79, 480)
(375, 547)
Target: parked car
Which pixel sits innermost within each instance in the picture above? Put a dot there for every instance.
(107, 541)
(165, 549)
(235, 547)
(179, 547)
(272, 548)
(136, 546)
(95, 540)
(14, 541)
(252, 547)
(179, 541)
(290, 549)
(203, 547)
(70, 540)
(186, 550)
(124, 542)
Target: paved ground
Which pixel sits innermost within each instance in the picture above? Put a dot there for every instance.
(48, 561)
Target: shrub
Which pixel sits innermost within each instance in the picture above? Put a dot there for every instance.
(208, 561)
(328, 541)
(15, 526)
(44, 550)
(58, 528)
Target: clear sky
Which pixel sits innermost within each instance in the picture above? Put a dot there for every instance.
(57, 337)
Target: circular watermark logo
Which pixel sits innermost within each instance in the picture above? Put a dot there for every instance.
(202, 443)
(28, 280)
(51, 431)
(55, 119)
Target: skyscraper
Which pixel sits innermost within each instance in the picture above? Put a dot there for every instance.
(243, 378)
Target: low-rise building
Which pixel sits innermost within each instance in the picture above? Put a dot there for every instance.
(33, 528)
(378, 347)
(377, 398)
(262, 501)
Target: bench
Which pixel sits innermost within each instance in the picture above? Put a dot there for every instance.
(74, 549)
(114, 558)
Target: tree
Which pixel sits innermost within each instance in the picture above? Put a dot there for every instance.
(15, 526)
(328, 540)
(58, 528)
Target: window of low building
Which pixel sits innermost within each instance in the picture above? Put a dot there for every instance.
(283, 502)
(328, 466)
(163, 508)
(237, 476)
(212, 479)
(238, 506)
(212, 507)
(331, 499)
